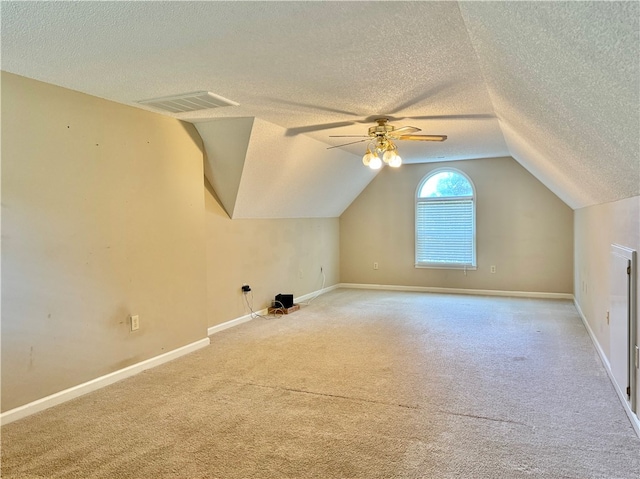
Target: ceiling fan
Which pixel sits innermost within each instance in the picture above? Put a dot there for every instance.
(382, 136)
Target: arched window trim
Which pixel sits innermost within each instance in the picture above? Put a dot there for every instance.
(471, 265)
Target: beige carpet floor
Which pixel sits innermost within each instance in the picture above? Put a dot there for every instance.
(359, 384)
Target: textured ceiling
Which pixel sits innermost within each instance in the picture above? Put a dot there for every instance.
(564, 80)
(553, 84)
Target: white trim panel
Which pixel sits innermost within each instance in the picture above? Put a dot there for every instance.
(479, 292)
(97, 383)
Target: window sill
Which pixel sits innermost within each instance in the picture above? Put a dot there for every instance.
(447, 266)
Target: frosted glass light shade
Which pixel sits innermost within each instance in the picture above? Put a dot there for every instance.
(376, 163)
(395, 162)
(388, 156)
(366, 159)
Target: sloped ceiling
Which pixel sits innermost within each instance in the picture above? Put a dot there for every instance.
(256, 171)
(553, 84)
(564, 80)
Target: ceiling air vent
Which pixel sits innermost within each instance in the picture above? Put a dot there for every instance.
(199, 100)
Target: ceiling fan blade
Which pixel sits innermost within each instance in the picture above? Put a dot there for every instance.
(345, 144)
(472, 116)
(349, 136)
(421, 96)
(392, 119)
(312, 106)
(423, 137)
(308, 128)
(403, 130)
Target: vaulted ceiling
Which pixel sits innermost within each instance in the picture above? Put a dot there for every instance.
(555, 85)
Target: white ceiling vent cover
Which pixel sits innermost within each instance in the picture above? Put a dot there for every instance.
(199, 100)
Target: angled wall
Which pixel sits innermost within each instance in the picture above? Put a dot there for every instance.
(102, 217)
(225, 142)
(522, 228)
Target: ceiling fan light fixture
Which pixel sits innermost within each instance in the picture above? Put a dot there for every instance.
(376, 163)
(389, 155)
(395, 162)
(381, 144)
(368, 156)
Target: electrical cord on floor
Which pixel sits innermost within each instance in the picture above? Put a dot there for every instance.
(279, 309)
(250, 306)
(276, 312)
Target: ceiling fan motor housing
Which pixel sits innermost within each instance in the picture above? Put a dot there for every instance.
(381, 129)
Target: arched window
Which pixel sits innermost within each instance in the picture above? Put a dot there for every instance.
(445, 220)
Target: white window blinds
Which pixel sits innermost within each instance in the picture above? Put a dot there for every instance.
(445, 220)
(445, 232)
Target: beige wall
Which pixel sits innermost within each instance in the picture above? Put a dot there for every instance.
(271, 255)
(522, 228)
(102, 217)
(596, 228)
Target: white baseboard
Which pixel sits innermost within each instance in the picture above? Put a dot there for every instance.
(479, 292)
(97, 383)
(635, 421)
(315, 294)
(234, 322)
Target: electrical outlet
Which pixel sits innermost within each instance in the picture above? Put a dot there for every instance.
(321, 269)
(246, 288)
(375, 265)
(608, 319)
(135, 322)
(493, 268)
